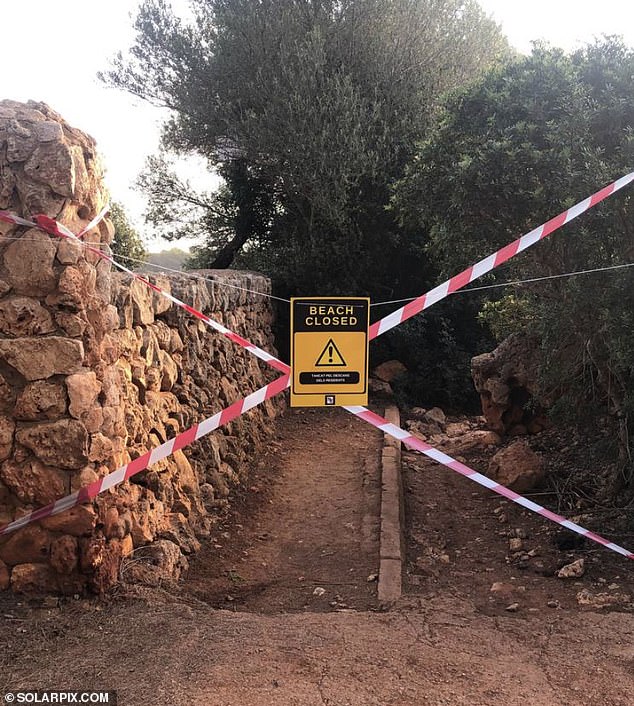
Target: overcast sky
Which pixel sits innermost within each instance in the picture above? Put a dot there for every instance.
(52, 50)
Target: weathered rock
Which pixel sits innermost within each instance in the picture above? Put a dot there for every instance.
(518, 467)
(379, 388)
(572, 571)
(478, 438)
(76, 284)
(52, 164)
(27, 545)
(40, 400)
(78, 521)
(7, 428)
(113, 526)
(515, 544)
(155, 563)
(63, 443)
(74, 325)
(508, 383)
(64, 554)
(21, 316)
(69, 251)
(29, 264)
(4, 576)
(435, 416)
(141, 297)
(33, 579)
(587, 598)
(101, 448)
(389, 371)
(6, 395)
(33, 482)
(176, 529)
(454, 429)
(83, 389)
(41, 358)
(170, 371)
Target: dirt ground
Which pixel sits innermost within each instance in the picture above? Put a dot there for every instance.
(246, 626)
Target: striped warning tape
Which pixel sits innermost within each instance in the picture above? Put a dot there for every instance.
(195, 432)
(495, 260)
(426, 300)
(417, 444)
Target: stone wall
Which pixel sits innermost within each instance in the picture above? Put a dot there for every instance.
(96, 369)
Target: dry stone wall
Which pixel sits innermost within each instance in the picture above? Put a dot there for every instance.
(95, 370)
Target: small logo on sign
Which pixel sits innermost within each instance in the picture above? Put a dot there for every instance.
(330, 400)
(330, 356)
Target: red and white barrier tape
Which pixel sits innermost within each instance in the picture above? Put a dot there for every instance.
(195, 432)
(417, 444)
(495, 260)
(51, 226)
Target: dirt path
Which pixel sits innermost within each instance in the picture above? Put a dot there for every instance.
(311, 541)
(450, 641)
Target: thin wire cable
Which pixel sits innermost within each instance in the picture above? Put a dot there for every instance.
(391, 301)
(167, 269)
(519, 281)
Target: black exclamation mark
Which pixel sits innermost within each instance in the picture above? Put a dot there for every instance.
(330, 353)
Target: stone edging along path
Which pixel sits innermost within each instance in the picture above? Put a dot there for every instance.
(392, 545)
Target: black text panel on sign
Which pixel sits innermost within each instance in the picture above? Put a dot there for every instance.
(329, 351)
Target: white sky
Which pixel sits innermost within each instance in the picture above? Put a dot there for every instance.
(52, 50)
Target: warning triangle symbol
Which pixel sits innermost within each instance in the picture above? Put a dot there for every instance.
(330, 356)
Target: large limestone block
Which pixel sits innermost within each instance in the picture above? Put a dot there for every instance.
(64, 554)
(507, 380)
(33, 579)
(28, 545)
(29, 264)
(41, 358)
(142, 299)
(40, 400)
(78, 521)
(63, 443)
(517, 466)
(52, 164)
(83, 389)
(33, 482)
(21, 316)
(160, 561)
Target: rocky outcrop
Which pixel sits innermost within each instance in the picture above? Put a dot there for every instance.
(96, 370)
(507, 382)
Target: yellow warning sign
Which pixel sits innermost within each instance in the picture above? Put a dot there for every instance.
(329, 351)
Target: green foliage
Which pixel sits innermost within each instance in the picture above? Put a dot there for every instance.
(437, 347)
(309, 110)
(127, 242)
(507, 315)
(524, 143)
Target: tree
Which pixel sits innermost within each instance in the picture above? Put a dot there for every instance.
(309, 109)
(127, 244)
(524, 143)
